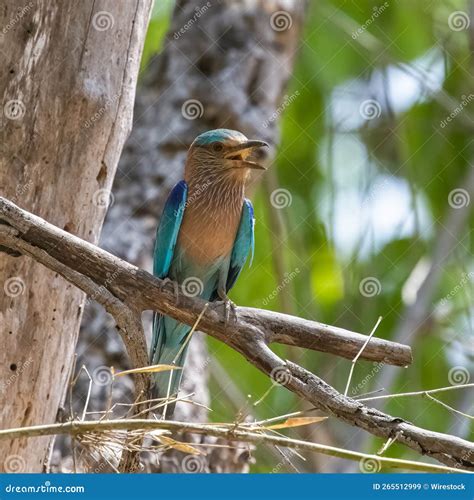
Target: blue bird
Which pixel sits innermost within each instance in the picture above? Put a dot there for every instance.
(205, 234)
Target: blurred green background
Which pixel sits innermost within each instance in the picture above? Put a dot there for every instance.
(372, 174)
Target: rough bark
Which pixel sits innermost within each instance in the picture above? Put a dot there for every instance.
(229, 68)
(67, 87)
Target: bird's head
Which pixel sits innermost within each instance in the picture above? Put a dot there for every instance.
(223, 151)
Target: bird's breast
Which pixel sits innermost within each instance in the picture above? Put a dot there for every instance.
(206, 236)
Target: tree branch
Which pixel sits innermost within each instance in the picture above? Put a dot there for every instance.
(244, 433)
(141, 291)
(249, 334)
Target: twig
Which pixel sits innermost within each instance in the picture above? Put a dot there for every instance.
(354, 361)
(419, 393)
(78, 428)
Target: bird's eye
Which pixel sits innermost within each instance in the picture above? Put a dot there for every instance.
(217, 147)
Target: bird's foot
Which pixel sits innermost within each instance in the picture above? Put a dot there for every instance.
(175, 286)
(229, 307)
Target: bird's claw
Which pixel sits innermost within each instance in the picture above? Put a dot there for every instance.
(228, 306)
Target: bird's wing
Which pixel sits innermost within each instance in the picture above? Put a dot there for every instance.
(243, 244)
(168, 229)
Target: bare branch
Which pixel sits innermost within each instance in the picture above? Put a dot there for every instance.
(250, 334)
(231, 432)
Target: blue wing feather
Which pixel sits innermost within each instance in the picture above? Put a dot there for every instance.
(244, 243)
(168, 229)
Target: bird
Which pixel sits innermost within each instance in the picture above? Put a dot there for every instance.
(204, 237)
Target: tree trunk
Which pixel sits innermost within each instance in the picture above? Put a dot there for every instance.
(68, 79)
(228, 69)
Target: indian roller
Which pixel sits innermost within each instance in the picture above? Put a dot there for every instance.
(205, 234)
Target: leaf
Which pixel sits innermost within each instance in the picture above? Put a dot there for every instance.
(149, 369)
(297, 422)
(180, 446)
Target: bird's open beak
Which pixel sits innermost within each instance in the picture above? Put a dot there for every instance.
(235, 153)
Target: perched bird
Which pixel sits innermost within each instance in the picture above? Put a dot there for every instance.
(205, 234)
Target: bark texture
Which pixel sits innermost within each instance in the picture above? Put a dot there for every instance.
(67, 90)
(224, 64)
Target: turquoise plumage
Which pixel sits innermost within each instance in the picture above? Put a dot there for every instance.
(204, 238)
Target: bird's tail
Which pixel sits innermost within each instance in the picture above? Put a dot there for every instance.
(167, 348)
